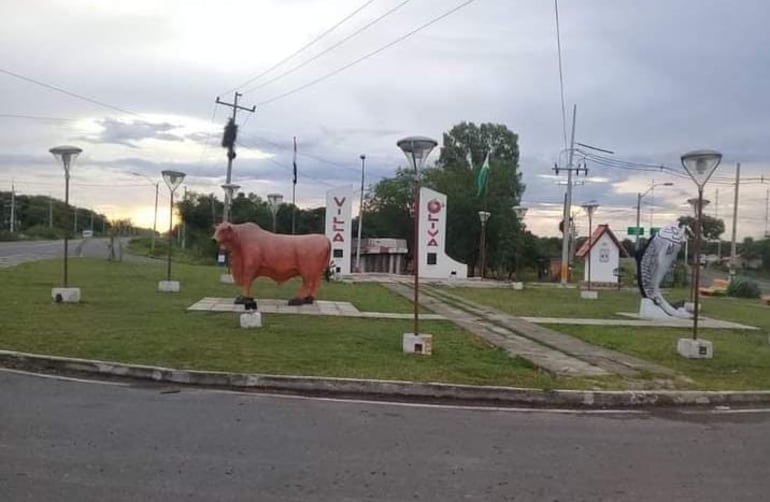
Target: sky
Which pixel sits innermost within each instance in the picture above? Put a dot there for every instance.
(134, 85)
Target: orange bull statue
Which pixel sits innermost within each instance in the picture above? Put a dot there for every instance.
(255, 252)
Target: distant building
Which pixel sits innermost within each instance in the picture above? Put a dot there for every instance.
(605, 251)
(385, 256)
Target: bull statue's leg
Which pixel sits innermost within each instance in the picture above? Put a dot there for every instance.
(303, 293)
(246, 299)
(313, 289)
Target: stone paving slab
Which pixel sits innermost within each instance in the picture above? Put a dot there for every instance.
(319, 307)
(703, 322)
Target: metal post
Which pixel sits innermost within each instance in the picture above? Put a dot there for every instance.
(735, 221)
(66, 208)
(154, 218)
(170, 233)
(638, 215)
(360, 216)
(567, 206)
(50, 212)
(416, 254)
(696, 261)
(13, 208)
(590, 245)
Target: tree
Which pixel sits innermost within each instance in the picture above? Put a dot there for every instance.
(713, 228)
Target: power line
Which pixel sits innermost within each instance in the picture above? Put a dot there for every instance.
(561, 74)
(329, 49)
(366, 56)
(316, 39)
(35, 117)
(68, 93)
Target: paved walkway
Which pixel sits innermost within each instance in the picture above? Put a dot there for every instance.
(319, 307)
(548, 349)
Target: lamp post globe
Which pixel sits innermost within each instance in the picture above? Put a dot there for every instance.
(416, 149)
(230, 189)
(274, 201)
(66, 154)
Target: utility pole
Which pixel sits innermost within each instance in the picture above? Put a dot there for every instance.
(767, 211)
(184, 225)
(50, 211)
(568, 204)
(13, 208)
(228, 141)
(735, 220)
(360, 216)
(719, 239)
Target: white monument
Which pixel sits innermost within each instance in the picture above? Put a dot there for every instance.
(434, 262)
(339, 202)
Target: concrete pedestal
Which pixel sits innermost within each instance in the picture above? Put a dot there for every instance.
(251, 320)
(589, 295)
(65, 295)
(518, 286)
(417, 344)
(168, 286)
(226, 279)
(694, 349)
(648, 310)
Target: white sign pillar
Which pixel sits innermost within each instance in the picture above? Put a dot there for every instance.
(434, 262)
(339, 202)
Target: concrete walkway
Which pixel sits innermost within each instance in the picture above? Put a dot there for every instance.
(548, 349)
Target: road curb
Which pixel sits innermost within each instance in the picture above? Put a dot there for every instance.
(380, 389)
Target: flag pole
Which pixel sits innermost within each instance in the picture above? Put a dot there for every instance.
(294, 190)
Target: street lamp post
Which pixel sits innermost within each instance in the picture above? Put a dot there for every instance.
(66, 155)
(694, 202)
(230, 189)
(173, 179)
(483, 217)
(274, 200)
(416, 149)
(639, 197)
(589, 208)
(700, 165)
(155, 214)
(520, 212)
(360, 216)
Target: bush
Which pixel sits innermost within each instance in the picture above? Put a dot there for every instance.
(743, 288)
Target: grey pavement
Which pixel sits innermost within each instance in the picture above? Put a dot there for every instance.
(73, 441)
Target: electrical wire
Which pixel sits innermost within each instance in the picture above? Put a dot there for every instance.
(68, 93)
(329, 49)
(366, 56)
(561, 74)
(290, 56)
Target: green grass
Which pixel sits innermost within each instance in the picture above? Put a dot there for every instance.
(121, 317)
(741, 358)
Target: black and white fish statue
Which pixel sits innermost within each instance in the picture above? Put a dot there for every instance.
(652, 264)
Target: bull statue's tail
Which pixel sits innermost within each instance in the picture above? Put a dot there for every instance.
(329, 270)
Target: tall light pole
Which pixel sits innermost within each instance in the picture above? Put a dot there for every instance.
(416, 149)
(173, 179)
(483, 217)
(700, 165)
(66, 155)
(520, 212)
(694, 203)
(274, 200)
(590, 207)
(639, 197)
(155, 214)
(360, 215)
(230, 189)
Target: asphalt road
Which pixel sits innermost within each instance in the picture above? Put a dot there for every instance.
(14, 253)
(67, 440)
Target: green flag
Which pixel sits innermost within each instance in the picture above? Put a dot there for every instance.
(481, 177)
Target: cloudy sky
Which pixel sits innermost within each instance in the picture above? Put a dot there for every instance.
(134, 84)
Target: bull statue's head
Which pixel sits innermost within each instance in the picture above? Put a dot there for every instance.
(224, 234)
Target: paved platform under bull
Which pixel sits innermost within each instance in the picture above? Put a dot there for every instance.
(319, 307)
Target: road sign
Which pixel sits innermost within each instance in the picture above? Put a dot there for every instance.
(654, 230)
(633, 231)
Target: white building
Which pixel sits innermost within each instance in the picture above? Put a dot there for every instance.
(605, 252)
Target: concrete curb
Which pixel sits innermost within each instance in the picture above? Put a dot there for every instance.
(380, 389)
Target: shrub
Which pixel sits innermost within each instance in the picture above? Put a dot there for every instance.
(743, 288)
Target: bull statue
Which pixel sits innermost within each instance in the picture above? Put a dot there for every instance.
(255, 252)
(652, 265)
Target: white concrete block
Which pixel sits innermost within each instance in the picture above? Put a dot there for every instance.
(168, 286)
(589, 295)
(65, 295)
(518, 286)
(251, 320)
(417, 344)
(226, 279)
(694, 349)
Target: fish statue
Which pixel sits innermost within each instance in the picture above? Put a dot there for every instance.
(655, 260)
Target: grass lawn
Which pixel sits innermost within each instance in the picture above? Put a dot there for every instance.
(121, 317)
(741, 358)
